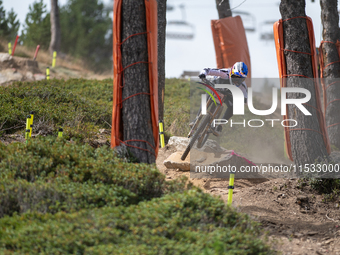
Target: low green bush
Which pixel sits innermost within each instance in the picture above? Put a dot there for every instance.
(60, 196)
(80, 106)
(50, 159)
(191, 222)
(21, 196)
(76, 103)
(330, 188)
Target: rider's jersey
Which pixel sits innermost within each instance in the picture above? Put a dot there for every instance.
(225, 74)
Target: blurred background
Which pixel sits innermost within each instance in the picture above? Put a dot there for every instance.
(87, 31)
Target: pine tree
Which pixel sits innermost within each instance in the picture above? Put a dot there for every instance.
(37, 26)
(86, 32)
(136, 113)
(307, 145)
(13, 25)
(3, 21)
(55, 27)
(161, 10)
(331, 74)
(223, 8)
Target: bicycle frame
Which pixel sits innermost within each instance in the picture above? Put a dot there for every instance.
(200, 129)
(214, 112)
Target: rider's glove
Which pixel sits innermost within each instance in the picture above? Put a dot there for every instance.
(202, 75)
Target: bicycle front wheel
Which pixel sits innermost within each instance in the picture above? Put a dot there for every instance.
(201, 141)
(201, 127)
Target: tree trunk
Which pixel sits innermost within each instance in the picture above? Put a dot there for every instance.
(161, 9)
(136, 111)
(223, 8)
(55, 27)
(307, 146)
(331, 74)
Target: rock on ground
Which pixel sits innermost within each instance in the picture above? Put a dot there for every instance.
(174, 161)
(18, 69)
(181, 143)
(208, 157)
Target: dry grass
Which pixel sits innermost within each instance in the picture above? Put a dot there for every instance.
(45, 57)
(66, 65)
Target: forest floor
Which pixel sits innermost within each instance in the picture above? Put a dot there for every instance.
(296, 218)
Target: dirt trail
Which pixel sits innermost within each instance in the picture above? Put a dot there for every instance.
(297, 220)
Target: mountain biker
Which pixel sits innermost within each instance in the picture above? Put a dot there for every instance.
(237, 74)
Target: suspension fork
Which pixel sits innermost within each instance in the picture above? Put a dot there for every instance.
(215, 113)
(209, 102)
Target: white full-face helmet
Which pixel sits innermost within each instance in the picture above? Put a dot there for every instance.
(239, 72)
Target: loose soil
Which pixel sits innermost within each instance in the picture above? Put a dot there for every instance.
(296, 219)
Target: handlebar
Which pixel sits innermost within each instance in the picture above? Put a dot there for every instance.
(208, 82)
(223, 91)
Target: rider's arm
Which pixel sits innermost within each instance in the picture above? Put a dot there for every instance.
(244, 89)
(217, 72)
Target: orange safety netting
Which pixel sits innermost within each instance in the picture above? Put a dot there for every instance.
(118, 72)
(279, 45)
(322, 68)
(231, 43)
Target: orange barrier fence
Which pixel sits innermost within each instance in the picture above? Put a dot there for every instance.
(279, 44)
(231, 43)
(117, 136)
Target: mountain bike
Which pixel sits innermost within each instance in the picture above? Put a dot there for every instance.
(202, 127)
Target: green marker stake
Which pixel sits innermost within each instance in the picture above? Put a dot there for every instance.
(60, 132)
(9, 48)
(231, 188)
(54, 58)
(47, 73)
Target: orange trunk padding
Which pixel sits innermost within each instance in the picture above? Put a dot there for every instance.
(118, 70)
(279, 45)
(322, 68)
(231, 43)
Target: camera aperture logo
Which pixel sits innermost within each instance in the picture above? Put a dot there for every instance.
(238, 105)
